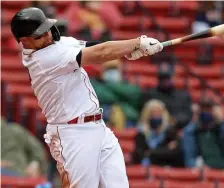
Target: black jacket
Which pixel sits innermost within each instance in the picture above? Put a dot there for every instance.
(178, 102)
(162, 155)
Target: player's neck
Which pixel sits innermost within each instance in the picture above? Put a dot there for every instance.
(32, 47)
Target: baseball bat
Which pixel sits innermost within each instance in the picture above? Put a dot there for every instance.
(214, 31)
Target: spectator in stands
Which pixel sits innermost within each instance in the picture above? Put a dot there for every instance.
(50, 12)
(169, 152)
(153, 123)
(21, 153)
(206, 54)
(208, 15)
(111, 71)
(178, 102)
(206, 137)
(95, 28)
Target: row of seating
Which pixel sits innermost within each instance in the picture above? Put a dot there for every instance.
(138, 172)
(173, 184)
(12, 182)
(21, 182)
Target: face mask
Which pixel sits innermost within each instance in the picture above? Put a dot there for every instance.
(112, 75)
(205, 118)
(155, 122)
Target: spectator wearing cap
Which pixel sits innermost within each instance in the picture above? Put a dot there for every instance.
(205, 137)
(178, 102)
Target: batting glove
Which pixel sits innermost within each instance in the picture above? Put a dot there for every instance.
(150, 46)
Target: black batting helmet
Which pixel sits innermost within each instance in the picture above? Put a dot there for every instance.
(33, 22)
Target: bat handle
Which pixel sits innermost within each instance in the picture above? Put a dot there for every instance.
(167, 43)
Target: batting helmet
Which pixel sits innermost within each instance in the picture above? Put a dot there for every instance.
(33, 22)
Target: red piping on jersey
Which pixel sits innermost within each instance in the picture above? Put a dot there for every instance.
(89, 90)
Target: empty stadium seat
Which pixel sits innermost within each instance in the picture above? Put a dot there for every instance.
(127, 145)
(15, 92)
(144, 184)
(220, 185)
(180, 174)
(19, 89)
(21, 182)
(176, 184)
(213, 175)
(127, 158)
(174, 24)
(207, 72)
(133, 22)
(12, 64)
(14, 4)
(21, 78)
(127, 134)
(136, 172)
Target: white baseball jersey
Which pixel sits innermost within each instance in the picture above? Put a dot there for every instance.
(62, 88)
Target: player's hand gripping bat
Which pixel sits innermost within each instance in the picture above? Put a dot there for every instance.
(214, 31)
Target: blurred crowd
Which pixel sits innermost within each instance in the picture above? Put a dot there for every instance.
(171, 129)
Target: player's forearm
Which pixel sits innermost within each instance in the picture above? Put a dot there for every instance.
(108, 51)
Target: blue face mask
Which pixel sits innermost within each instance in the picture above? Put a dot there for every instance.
(155, 122)
(112, 75)
(206, 118)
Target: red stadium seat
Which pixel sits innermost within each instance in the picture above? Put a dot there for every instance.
(136, 172)
(144, 184)
(21, 182)
(5, 33)
(133, 22)
(128, 134)
(188, 6)
(62, 5)
(180, 174)
(213, 175)
(21, 78)
(207, 72)
(143, 81)
(15, 4)
(93, 71)
(176, 184)
(16, 91)
(220, 185)
(197, 94)
(12, 64)
(30, 107)
(174, 24)
(19, 89)
(127, 146)
(127, 157)
(217, 84)
(139, 68)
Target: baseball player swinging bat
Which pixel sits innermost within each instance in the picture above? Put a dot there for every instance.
(214, 31)
(87, 152)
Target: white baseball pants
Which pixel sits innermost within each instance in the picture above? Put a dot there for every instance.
(88, 155)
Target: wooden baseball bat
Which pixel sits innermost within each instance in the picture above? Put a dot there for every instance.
(214, 31)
